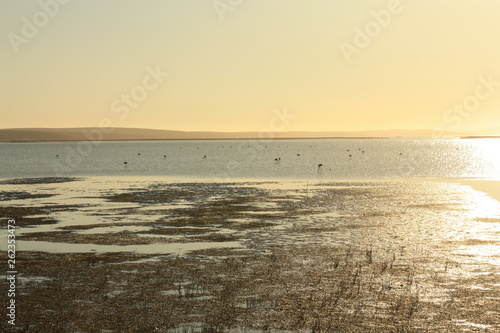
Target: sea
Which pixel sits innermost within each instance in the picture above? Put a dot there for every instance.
(283, 159)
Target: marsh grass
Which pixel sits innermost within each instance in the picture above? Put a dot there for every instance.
(292, 289)
(22, 195)
(18, 212)
(42, 180)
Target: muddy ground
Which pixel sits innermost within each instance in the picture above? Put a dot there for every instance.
(333, 257)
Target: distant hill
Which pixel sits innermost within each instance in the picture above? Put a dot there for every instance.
(114, 134)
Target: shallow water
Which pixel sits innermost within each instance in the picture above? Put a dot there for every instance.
(168, 248)
(377, 214)
(256, 159)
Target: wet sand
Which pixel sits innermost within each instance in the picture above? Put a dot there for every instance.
(490, 187)
(127, 256)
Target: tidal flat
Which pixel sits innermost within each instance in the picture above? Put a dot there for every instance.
(146, 255)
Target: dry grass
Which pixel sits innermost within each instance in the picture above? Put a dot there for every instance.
(298, 288)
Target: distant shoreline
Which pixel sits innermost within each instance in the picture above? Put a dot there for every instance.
(98, 134)
(481, 137)
(209, 139)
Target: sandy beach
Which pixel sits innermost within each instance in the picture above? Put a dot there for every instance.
(490, 187)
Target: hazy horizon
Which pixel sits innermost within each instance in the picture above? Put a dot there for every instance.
(235, 66)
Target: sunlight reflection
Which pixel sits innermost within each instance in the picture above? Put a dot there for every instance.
(479, 237)
(486, 152)
(485, 206)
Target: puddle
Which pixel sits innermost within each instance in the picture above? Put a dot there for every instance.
(113, 229)
(489, 254)
(163, 248)
(466, 323)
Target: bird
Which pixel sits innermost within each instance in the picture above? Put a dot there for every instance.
(125, 163)
(205, 156)
(138, 153)
(319, 167)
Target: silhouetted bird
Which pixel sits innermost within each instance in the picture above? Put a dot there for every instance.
(319, 167)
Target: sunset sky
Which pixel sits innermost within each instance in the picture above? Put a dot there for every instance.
(334, 65)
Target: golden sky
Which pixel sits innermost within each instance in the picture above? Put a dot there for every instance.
(225, 65)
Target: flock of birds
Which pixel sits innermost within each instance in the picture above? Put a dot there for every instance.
(277, 160)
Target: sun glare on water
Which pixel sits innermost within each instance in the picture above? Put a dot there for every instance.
(486, 154)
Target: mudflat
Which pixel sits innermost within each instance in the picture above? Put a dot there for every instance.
(118, 255)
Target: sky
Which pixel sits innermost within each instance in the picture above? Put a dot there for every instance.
(234, 65)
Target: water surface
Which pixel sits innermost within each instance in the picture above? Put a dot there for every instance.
(257, 159)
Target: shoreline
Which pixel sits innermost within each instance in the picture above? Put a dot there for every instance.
(489, 187)
(227, 139)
